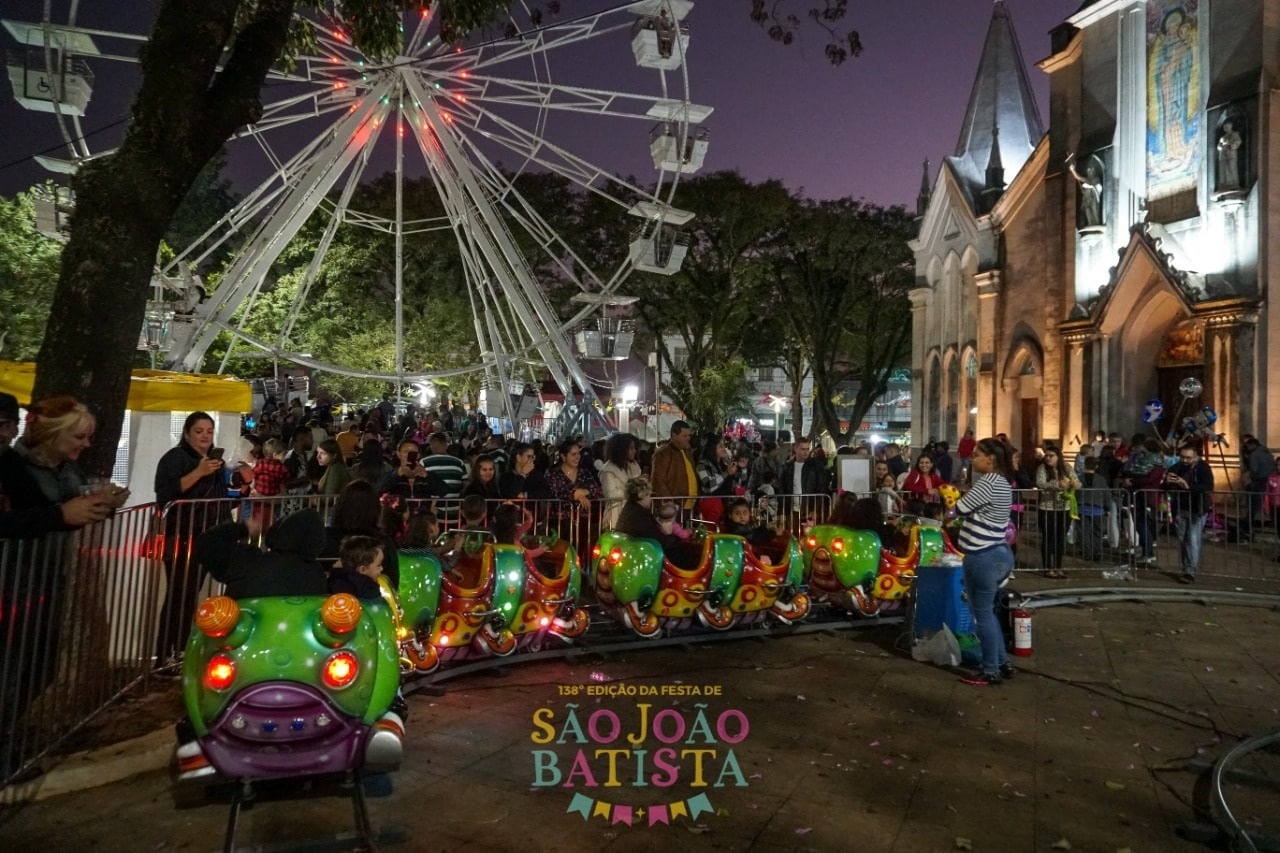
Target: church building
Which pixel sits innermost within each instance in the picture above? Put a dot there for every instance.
(1068, 275)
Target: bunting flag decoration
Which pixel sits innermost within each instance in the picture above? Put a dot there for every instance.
(581, 805)
(612, 813)
(698, 805)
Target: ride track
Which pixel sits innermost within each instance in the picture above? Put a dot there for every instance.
(608, 637)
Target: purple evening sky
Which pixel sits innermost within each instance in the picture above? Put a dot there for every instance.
(861, 129)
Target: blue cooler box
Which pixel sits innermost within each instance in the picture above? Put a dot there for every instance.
(939, 599)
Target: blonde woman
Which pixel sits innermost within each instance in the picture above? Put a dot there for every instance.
(42, 469)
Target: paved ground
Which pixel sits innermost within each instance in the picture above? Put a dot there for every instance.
(1100, 743)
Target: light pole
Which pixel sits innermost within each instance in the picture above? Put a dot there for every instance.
(630, 394)
(776, 402)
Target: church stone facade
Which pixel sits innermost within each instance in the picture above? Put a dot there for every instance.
(1067, 275)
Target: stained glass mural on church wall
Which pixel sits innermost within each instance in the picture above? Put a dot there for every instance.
(1174, 123)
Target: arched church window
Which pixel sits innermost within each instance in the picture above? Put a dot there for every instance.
(971, 384)
(950, 428)
(935, 398)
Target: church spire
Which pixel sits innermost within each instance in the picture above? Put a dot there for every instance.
(994, 185)
(926, 192)
(1001, 126)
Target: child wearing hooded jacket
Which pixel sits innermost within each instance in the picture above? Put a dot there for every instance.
(290, 565)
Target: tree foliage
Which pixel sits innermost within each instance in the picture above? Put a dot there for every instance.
(779, 19)
(28, 274)
(718, 304)
(846, 270)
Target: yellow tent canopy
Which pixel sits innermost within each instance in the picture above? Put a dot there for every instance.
(151, 390)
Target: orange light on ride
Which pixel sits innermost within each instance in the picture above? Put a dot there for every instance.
(615, 556)
(812, 542)
(595, 552)
(340, 613)
(340, 670)
(216, 616)
(837, 545)
(219, 673)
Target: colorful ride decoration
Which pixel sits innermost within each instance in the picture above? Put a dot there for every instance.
(638, 584)
(852, 569)
(491, 600)
(279, 687)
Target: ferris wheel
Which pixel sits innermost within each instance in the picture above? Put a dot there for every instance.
(535, 96)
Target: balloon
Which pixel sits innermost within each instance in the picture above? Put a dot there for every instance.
(1189, 426)
(1152, 412)
(950, 494)
(1210, 416)
(1190, 387)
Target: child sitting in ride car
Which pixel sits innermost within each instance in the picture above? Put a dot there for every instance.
(739, 518)
(666, 515)
(359, 565)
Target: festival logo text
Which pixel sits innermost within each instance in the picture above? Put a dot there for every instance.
(638, 747)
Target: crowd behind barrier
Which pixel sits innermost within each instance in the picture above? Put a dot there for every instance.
(90, 614)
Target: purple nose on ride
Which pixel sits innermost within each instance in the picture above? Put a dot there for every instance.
(279, 729)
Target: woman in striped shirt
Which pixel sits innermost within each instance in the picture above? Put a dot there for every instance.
(987, 557)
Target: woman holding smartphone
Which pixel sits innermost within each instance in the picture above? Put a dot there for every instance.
(192, 471)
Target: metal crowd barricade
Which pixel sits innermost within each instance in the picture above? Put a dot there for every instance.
(1238, 539)
(1099, 532)
(77, 628)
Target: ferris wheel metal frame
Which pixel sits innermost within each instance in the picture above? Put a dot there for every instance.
(455, 107)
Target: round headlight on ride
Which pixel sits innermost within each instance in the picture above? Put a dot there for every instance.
(340, 613)
(837, 545)
(340, 670)
(615, 556)
(219, 673)
(813, 542)
(216, 616)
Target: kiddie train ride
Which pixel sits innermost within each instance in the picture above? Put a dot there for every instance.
(287, 686)
(730, 582)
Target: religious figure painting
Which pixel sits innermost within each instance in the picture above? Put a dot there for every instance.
(1174, 123)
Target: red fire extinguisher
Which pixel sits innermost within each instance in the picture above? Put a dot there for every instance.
(1021, 631)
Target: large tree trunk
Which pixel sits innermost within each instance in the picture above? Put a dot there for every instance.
(185, 110)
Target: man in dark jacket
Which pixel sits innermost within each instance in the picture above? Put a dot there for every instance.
(1189, 484)
(291, 565)
(802, 474)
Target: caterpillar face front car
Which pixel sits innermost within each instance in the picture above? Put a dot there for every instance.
(290, 686)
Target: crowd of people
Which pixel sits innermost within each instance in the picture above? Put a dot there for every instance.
(400, 478)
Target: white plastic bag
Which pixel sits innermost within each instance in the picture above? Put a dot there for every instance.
(940, 648)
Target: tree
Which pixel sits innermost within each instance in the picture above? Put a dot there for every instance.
(782, 25)
(719, 303)
(844, 272)
(28, 273)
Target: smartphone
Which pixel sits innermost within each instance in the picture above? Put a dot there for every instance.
(216, 452)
